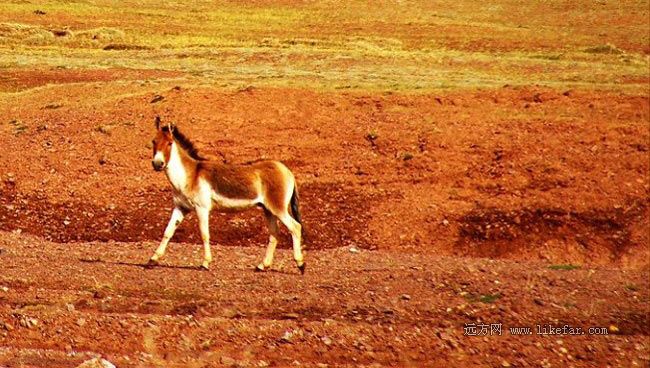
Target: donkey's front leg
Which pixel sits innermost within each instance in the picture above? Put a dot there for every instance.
(176, 219)
(204, 225)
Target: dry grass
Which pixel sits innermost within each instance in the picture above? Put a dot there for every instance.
(390, 46)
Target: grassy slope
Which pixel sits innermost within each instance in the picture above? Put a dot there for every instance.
(392, 46)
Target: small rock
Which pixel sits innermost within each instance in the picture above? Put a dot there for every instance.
(326, 340)
(157, 98)
(354, 250)
(81, 322)
(505, 364)
(563, 350)
(445, 222)
(613, 329)
(99, 294)
(228, 361)
(96, 363)
(28, 322)
(286, 337)
(32, 322)
(405, 297)
(4, 289)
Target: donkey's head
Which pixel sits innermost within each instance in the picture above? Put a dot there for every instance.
(162, 144)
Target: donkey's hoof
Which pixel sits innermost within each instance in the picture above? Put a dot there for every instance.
(302, 268)
(260, 268)
(151, 263)
(205, 267)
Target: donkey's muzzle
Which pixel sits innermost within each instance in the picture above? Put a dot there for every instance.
(158, 165)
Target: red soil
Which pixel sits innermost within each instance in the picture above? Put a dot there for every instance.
(453, 198)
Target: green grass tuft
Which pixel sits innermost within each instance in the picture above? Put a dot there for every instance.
(565, 267)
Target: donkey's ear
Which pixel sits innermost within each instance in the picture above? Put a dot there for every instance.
(157, 122)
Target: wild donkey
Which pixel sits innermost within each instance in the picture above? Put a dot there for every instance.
(201, 184)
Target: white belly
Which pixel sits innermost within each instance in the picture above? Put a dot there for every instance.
(233, 203)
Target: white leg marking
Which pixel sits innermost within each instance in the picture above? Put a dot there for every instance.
(272, 223)
(174, 221)
(204, 225)
(296, 232)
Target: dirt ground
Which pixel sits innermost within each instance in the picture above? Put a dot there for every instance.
(458, 165)
(465, 207)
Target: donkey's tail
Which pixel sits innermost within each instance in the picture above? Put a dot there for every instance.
(294, 205)
(296, 213)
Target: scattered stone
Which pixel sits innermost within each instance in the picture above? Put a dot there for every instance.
(354, 249)
(228, 361)
(290, 316)
(99, 294)
(105, 129)
(505, 364)
(445, 222)
(405, 297)
(96, 363)
(286, 337)
(60, 32)
(4, 289)
(10, 178)
(7, 326)
(28, 322)
(32, 322)
(81, 322)
(326, 340)
(613, 329)
(157, 98)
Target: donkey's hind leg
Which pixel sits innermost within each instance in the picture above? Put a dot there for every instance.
(176, 219)
(272, 223)
(296, 233)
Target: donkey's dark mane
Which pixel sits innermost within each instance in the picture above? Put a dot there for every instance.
(186, 144)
